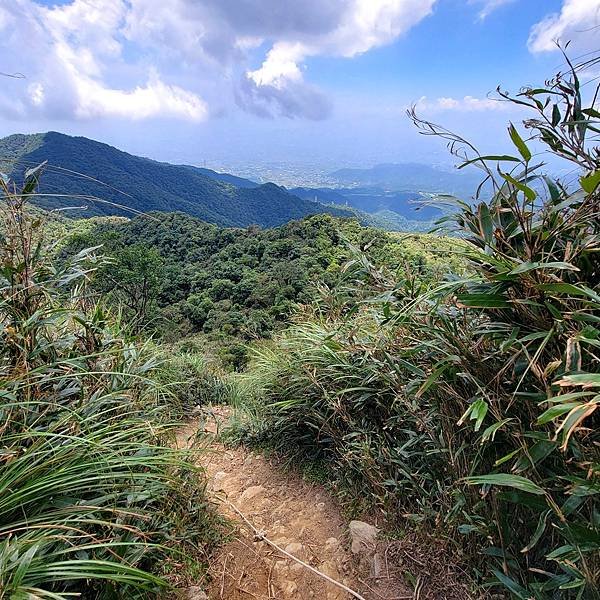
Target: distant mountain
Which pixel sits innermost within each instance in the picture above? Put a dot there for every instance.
(408, 205)
(324, 195)
(410, 177)
(392, 221)
(106, 181)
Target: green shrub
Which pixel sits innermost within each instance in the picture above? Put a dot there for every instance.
(337, 393)
(94, 499)
(190, 380)
(176, 276)
(472, 406)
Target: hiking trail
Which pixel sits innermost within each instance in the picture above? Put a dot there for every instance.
(300, 517)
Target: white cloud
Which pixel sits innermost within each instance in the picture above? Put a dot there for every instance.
(149, 100)
(363, 25)
(183, 59)
(465, 104)
(280, 66)
(489, 6)
(578, 22)
(68, 60)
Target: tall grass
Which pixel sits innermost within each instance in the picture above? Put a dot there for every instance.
(93, 498)
(190, 378)
(472, 407)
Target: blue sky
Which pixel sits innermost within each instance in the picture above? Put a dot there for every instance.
(321, 83)
(452, 52)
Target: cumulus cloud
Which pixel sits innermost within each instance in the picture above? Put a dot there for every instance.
(578, 21)
(149, 100)
(67, 59)
(362, 25)
(185, 58)
(289, 99)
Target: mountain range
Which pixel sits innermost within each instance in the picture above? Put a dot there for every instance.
(409, 177)
(91, 178)
(374, 201)
(96, 179)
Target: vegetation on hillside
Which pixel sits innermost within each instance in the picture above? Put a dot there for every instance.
(471, 406)
(94, 499)
(98, 179)
(449, 383)
(180, 276)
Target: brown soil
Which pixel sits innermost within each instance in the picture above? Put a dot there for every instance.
(300, 517)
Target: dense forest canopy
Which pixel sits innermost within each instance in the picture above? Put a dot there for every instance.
(177, 275)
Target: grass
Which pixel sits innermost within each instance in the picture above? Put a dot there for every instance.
(190, 379)
(468, 408)
(94, 498)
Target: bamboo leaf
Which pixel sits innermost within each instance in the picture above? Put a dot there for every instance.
(492, 157)
(590, 181)
(510, 584)
(539, 531)
(519, 143)
(529, 192)
(555, 411)
(585, 380)
(526, 266)
(506, 480)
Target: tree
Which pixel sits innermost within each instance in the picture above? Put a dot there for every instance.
(134, 279)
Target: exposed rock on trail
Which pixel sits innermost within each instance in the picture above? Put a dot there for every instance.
(300, 517)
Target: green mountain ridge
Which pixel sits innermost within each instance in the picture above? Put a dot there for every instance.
(95, 179)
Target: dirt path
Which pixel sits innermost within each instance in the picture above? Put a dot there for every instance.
(300, 517)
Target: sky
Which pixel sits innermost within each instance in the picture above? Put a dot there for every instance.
(313, 84)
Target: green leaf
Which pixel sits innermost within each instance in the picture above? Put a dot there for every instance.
(539, 530)
(490, 432)
(526, 266)
(535, 454)
(529, 192)
(590, 181)
(494, 157)
(506, 480)
(568, 288)
(576, 583)
(510, 584)
(506, 457)
(555, 115)
(564, 552)
(569, 396)
(586, 380)
(555, 411)
(483, 300)
(485, 223)
(433, 377)
(476, 412)
(519, 143)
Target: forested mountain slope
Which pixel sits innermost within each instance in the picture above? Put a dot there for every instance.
(235, 283)
(78, 167)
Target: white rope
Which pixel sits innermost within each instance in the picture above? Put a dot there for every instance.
(260, 535)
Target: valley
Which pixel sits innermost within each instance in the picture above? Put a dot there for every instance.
(90, 178)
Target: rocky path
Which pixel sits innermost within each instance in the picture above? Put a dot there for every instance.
(300, 517)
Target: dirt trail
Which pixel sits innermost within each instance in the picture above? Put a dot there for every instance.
(300, 517)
